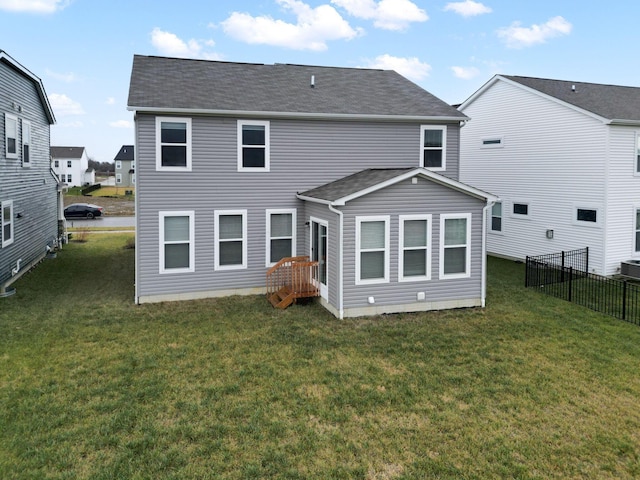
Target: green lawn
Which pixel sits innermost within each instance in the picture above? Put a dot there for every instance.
(93, 387)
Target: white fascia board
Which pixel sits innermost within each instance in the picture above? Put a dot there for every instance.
(303, 115)
(623, 122)
(313, 199)
(478, 92)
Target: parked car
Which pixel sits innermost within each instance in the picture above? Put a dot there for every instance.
(82, 210)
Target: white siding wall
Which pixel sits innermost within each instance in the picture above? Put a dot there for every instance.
(623, 197)
(553, 158)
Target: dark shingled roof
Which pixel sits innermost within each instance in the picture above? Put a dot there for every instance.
(66, 152)
(354, 183)
(172, 83)
(609, 101)
(125, 153)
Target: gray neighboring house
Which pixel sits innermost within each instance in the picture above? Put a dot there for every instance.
(125, 164)
(242, 165)
(30, 196)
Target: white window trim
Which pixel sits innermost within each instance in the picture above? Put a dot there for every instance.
(294, 223)
(118, 165)
(192, 256)
(401, 248)
(3, 205)
(7, 118)
(424, 128)
(359, 221)
(518, 215)
(267, 145)
(490, 221)
(443, 218)
(26, 127)
(636, 160)
(493, 144)
(586, 206)
(636, 209)
(159, 166)
(217, 215)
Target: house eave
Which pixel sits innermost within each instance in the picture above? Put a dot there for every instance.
(296, 115)
(624, 122)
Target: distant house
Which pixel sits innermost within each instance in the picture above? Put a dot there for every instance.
(71, 164)
(125, 167)
(30, 200)
(564, 158)
(247, 172)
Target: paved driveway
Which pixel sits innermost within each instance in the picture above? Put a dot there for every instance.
(106, 221)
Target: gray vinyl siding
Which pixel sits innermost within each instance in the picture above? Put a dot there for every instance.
(406, 198)
(33, 190)
(304, 154)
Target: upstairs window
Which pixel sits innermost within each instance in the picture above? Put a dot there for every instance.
(26, 143)
(11, 135)
(492, 142)
(637, 242)
(56, 163)
(433, 151)
(253, 146)
(173, 144)
(69, 164)
(6, 222)
(521, 209)
(118, 165)
(638, 153)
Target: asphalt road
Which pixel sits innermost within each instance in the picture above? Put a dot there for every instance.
(106, 221)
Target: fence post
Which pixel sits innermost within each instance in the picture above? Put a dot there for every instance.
(570, 279)
(586, 269)
(526, 273)
(562, 269)
(624, 300)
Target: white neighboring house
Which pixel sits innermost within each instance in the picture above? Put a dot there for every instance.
(71, 164)
(564, 158)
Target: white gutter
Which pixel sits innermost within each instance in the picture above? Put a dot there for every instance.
(305, 115)
(340, 262)
(485, 214)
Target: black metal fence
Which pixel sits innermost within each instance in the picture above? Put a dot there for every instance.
(566, 275)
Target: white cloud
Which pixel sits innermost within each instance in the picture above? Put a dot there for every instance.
(468, 8)
(68, 77)
(33, 6)
(410, 67)
(313, 27)
(465, 73)
(63, 105)
(121, 124)
(110, 101)
(170, 44)
(516, 36)
(386, 14)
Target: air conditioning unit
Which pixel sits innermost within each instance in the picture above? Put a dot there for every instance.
(630, 268)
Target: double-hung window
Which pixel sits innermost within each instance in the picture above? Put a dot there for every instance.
(177, 252)
(253, 146)
(69, 163)
(433, 147)
(118, 165)
(6, 222)
(281, 235)
(26, 143)
(118, 178)
(230, 239)
(372, 250)
(173, 144)
(11, 135)
(638, 153)
(455, 245)
(496, 217)
(415, 248)
(69, 178)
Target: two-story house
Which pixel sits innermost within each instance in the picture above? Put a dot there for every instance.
(71, 164)
(240, 166)
(564, 158)
(125, 167)
(30, 200)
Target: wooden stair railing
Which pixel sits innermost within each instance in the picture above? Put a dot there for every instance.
(290, 279)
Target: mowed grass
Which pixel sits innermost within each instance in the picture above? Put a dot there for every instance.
(94, 387)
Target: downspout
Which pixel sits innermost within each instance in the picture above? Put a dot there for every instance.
(340, 258)
(485, 214)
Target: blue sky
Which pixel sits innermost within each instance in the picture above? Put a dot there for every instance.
(83, 49)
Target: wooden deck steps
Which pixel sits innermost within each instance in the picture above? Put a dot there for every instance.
(290, 279)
